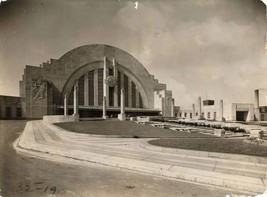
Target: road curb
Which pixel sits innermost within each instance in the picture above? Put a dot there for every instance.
(236, 157)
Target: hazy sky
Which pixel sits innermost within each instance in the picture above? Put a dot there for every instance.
(194, 46)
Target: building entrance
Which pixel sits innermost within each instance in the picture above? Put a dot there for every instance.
(241, 115)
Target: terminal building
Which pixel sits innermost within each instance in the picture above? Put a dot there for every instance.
(221, 111)
(89, 77)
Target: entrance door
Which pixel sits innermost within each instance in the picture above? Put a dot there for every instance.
(241, 115)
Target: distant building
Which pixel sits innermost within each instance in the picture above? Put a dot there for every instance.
(219, 111)
(242, 112)
(207, 109)
(43, 89)
(11, 107)
(261, 104)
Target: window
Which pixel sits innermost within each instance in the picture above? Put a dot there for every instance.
(111, 96)
(190, 115)
(185, 115)
(140, 101)
(126, 90)
(208, 115)
(81, 90)
(91, 86)
(19, 112)
(196, 114)
(8, 112)
(100, 86)
(214, 116)
(180, 114)
(262, 117)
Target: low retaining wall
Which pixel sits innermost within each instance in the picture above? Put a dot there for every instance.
(61, 118)
(255, 133)
(219, 132)
(154, 118)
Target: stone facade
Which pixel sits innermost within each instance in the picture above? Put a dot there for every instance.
(260, 104)
(219, 111)
(11, 107)
(44, 88)
(164, 102)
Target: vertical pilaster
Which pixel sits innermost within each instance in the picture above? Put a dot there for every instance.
(122, 102)
(95, 87)
(251, 113)
(122, 115)
(233, 112)
(172, 108)
(105, 88)
(75, 100)
(193, 111)
(256, 103)
(122, 82)
(115, 72)
(104, 77)
(86, 90)
(104, 108)
(199, 108)
(66, 105)
(221, 109)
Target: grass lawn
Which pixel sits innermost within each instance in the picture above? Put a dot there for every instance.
(235, 146)
(168, 138)
(125, 129)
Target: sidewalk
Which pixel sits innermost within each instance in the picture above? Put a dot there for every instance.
(244, 173)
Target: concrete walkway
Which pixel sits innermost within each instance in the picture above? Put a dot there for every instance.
(244, 173)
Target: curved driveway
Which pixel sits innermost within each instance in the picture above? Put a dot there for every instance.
(137, 155)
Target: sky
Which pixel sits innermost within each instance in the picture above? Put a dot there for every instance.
(208, 48)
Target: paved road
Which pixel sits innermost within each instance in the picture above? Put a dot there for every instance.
(28, 176)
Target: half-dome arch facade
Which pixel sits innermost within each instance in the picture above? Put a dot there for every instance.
(84, 67)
